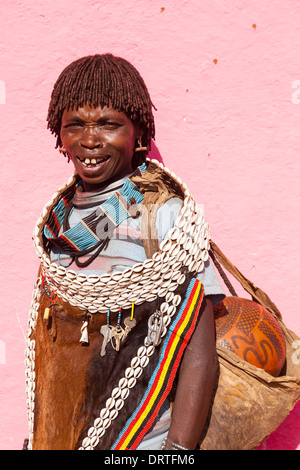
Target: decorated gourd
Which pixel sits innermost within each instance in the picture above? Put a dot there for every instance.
(252, 332)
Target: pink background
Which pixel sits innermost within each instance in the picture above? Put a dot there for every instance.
(224, 76)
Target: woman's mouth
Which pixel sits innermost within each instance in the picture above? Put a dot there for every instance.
(92, 162)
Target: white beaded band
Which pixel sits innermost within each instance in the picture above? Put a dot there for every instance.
(186, 247)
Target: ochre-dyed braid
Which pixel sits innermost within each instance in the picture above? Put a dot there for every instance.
(101, 80)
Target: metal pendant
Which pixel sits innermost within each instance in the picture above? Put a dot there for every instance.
(106, 331)
(129, 324)
(116, 337)
(155, 326)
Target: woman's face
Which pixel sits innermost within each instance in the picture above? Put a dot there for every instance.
(100, 143)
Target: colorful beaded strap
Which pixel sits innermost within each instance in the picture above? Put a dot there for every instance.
(163, 376)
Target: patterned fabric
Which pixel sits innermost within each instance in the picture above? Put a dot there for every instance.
(93, 230)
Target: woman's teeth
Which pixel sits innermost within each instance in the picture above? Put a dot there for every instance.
(92, 161)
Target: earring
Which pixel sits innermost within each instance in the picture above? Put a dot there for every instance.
(64, 152)
(140, 148)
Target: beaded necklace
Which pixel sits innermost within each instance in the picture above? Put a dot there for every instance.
(94, 231)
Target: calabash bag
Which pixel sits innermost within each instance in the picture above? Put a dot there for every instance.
(249, 403)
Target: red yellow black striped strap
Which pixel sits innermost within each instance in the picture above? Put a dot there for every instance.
(163, 376)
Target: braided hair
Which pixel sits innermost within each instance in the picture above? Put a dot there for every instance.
(103, 80)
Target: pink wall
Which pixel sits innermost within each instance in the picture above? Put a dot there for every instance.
(224, 78)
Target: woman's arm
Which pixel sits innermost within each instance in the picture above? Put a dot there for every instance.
(195, 383)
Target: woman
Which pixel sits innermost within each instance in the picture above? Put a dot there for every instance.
(124, 259)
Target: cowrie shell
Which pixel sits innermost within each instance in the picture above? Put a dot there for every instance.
(188, 260)
(92, 278)
(169, 297)
(137, 268)
(150, 298)
(93, 309)
(188, 243)
(106, 422)
(181, 279)
(171, 310)
(119, 404)
(174, 250)
(157, 256)
(148, 263)
(100, 432)
(164, 331)
(131, 382)
(142, 351)
(144, 361)
(193, 249)
(182, 238)
(200, 266)
(150, 350)
(187, 226)
(166, 244)
(116, 392)
(138, 372)
(98, 422)
(127, 272)
(124, 393)
(136, 277)
(162, 292)
(165, 270)
(192, 266)
(104, 413)
(129, 372)
(95, 441)
(116, 276)
(54, 268)
(164, 307)
(174, 233)
(180, 221)
(86, 442)
(70, 274)
(92, 432)
(135, 362)
(176, 300)
(61, 271)
(105, 278)
(110, 403)
(176, 275)
(113, 414)
(199, 218)
(155, 276)
(158, 266)
(166, 283)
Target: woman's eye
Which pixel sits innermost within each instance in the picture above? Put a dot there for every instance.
(111, 125)
(73, 125)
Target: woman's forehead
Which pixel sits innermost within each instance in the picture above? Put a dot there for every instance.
(93, 112)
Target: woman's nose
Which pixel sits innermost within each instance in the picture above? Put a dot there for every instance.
(91, 138)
